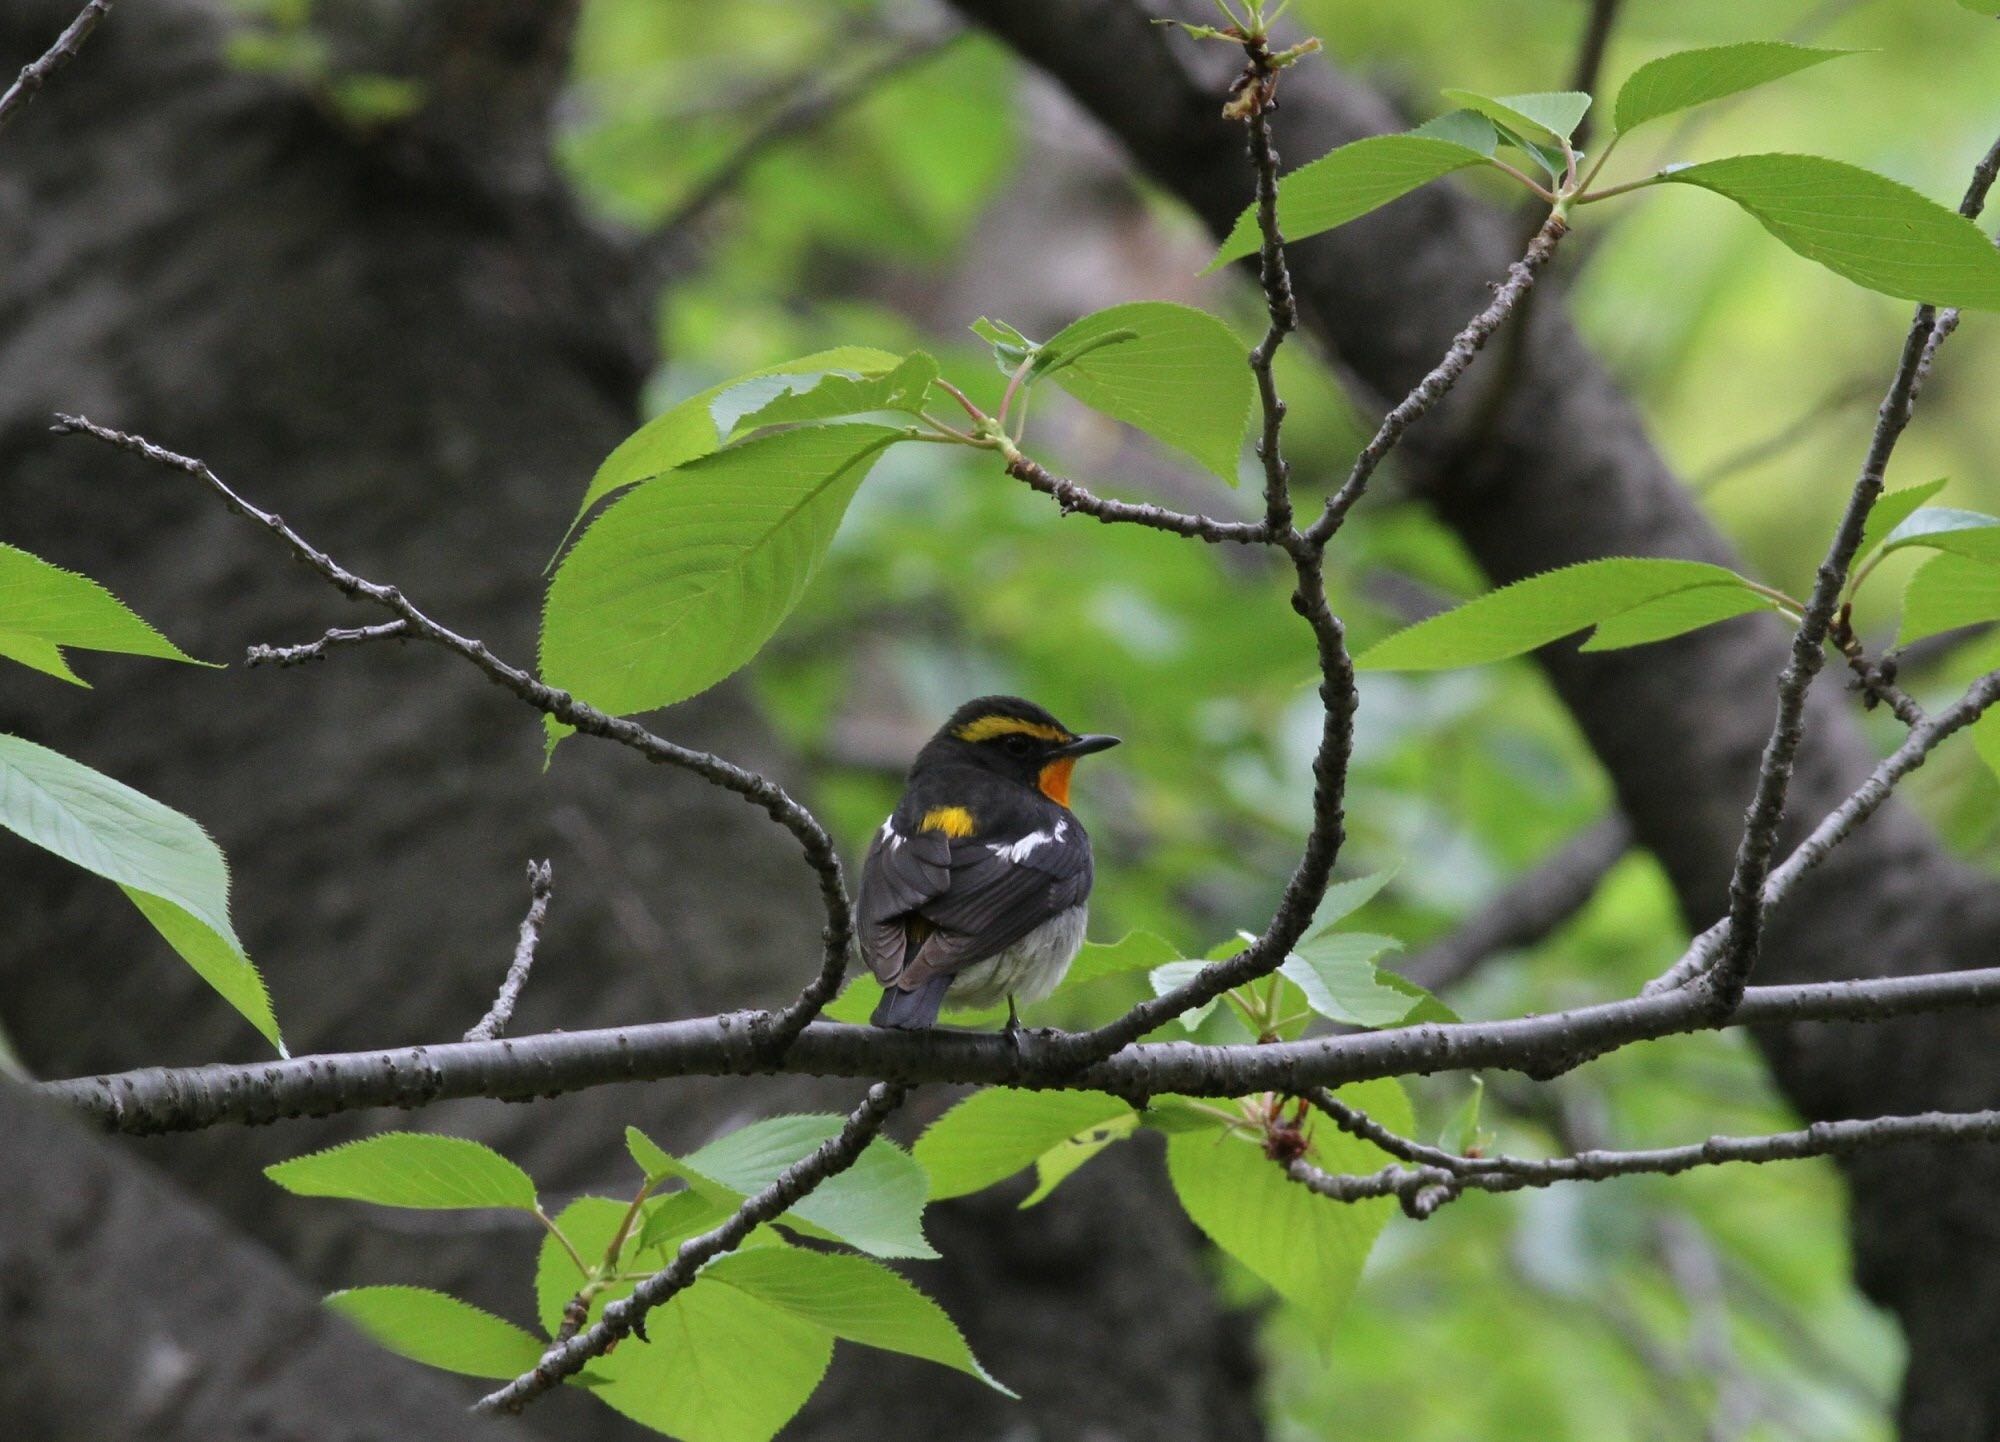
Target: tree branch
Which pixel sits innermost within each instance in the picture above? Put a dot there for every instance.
(316, 650)
(624, 1317)
(541, 887)
(35, 74)
(163, 1099)
(775, 1030)
(1774, 773)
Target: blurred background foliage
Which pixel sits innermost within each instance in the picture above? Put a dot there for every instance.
(929, 191)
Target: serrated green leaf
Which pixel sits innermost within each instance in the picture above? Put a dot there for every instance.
(1336, 971)
(996, 1132)
(669, 1220)
(876, 1205)
(1461, 127)
(409, 1169)
(687, 431)
(1135, 951)
(722, 1366)
(1343, 898)
(1056, 1165)
(1549, 116)
(686, 577)
(1174, 975)
(150, 850)
(1674, 614)
(1531, 613)
(1946, 592)
(1181, 377)
(1307, 1248)
(1347, 183)
(787, 399)
(1875, 231)
(1972, 534)
(439, 1330)
(44, 608)
(1695, 77)
(1889, 513)
(855, 1299)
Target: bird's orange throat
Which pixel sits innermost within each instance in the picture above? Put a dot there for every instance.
(1054, 780)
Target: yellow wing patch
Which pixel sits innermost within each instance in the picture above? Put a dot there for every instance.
(951, 820)
(985, 728)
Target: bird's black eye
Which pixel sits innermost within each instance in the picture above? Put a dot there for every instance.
(1017, 745)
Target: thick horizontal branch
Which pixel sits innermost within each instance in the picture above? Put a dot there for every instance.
(164, 1099)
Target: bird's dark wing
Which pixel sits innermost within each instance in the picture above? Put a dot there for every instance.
(998, 892)
(903, 872)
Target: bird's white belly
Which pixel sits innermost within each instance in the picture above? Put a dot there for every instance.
(1027, 971)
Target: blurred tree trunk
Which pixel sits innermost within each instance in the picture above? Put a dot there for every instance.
(1558, 469)
(407, 341)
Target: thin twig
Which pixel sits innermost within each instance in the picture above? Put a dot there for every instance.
(804, 113)
(1774, 772)
(622, 1318)
(1458, 358)
(34, 75)
(1275, 279)
(1075, 499)
(775, 1030)
(541, 887)
(1840, 823)
(1510, 1174)
(316, 650)
(1528, 909)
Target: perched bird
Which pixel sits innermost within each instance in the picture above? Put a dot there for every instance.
(975, 888)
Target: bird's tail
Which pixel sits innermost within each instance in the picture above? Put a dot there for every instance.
(912, 1010)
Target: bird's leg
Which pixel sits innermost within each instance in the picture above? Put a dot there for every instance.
(1013, 1024)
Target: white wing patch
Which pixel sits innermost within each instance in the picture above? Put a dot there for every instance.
(1031, 843)
(891, 837)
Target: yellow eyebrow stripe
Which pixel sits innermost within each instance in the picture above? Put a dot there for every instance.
(951, 820)
(987, 727)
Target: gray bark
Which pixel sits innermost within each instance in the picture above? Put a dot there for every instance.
(1563, 471)
(410, 344)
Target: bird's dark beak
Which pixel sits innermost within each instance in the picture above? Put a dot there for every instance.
(1085, 745)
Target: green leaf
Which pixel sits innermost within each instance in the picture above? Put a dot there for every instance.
(675, 1217)
(1348, 183)
(1176, 974)
(1875, 231)
(409, 1169)
(164, 860)
(44, 608)
(1056, 1165)
(785, 399)
(1135, 951)
(687, 431)
(1534, 612)
(1181, 377)
(722, 1366)
(1981, 7)
(1343, 898)
(1949, 591)
(439, 1330)
(1462, 1132)
(1549, 116)
(1972, 534)
(683, 580)
(1891, 510)
(855, 1299)
(1307, 1248)
(1675, 614)
(875, 1205)
(996, 1132)
(1461, 127)
(1695, 77)
(1336, 971)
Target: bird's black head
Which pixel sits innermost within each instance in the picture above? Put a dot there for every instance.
(1013, 738)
